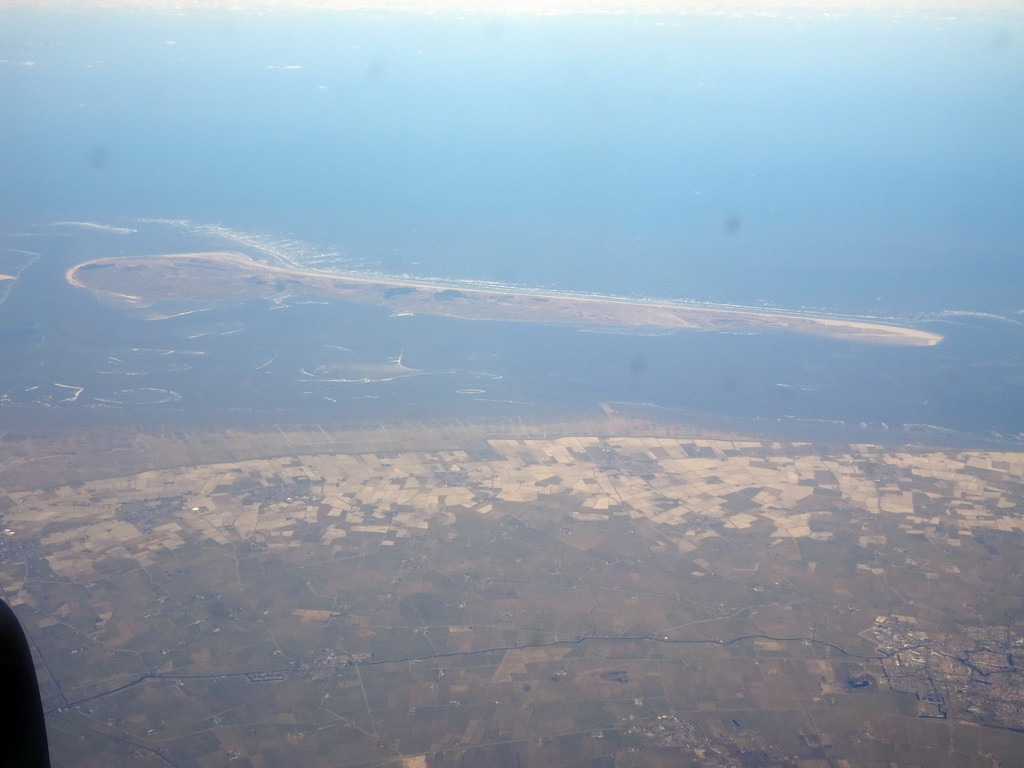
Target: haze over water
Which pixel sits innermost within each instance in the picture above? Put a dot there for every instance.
(866, 164)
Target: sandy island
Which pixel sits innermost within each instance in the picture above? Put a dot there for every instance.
(226, 275)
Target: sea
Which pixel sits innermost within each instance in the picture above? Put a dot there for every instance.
(861, 164)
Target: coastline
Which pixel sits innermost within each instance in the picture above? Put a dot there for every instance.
(232, 275)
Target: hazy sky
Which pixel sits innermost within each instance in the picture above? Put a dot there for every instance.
(541, 6)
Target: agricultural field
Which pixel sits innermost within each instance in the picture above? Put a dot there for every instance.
(470, 596)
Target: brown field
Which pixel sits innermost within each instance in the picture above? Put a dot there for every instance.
(289, 599)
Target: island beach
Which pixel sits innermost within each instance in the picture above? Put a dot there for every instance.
(230, 275)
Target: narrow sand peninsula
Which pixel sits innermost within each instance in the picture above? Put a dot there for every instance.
(225, 275)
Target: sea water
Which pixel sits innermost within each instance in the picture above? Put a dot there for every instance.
(860, 164)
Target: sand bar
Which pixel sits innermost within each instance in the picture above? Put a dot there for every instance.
(232, 276)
